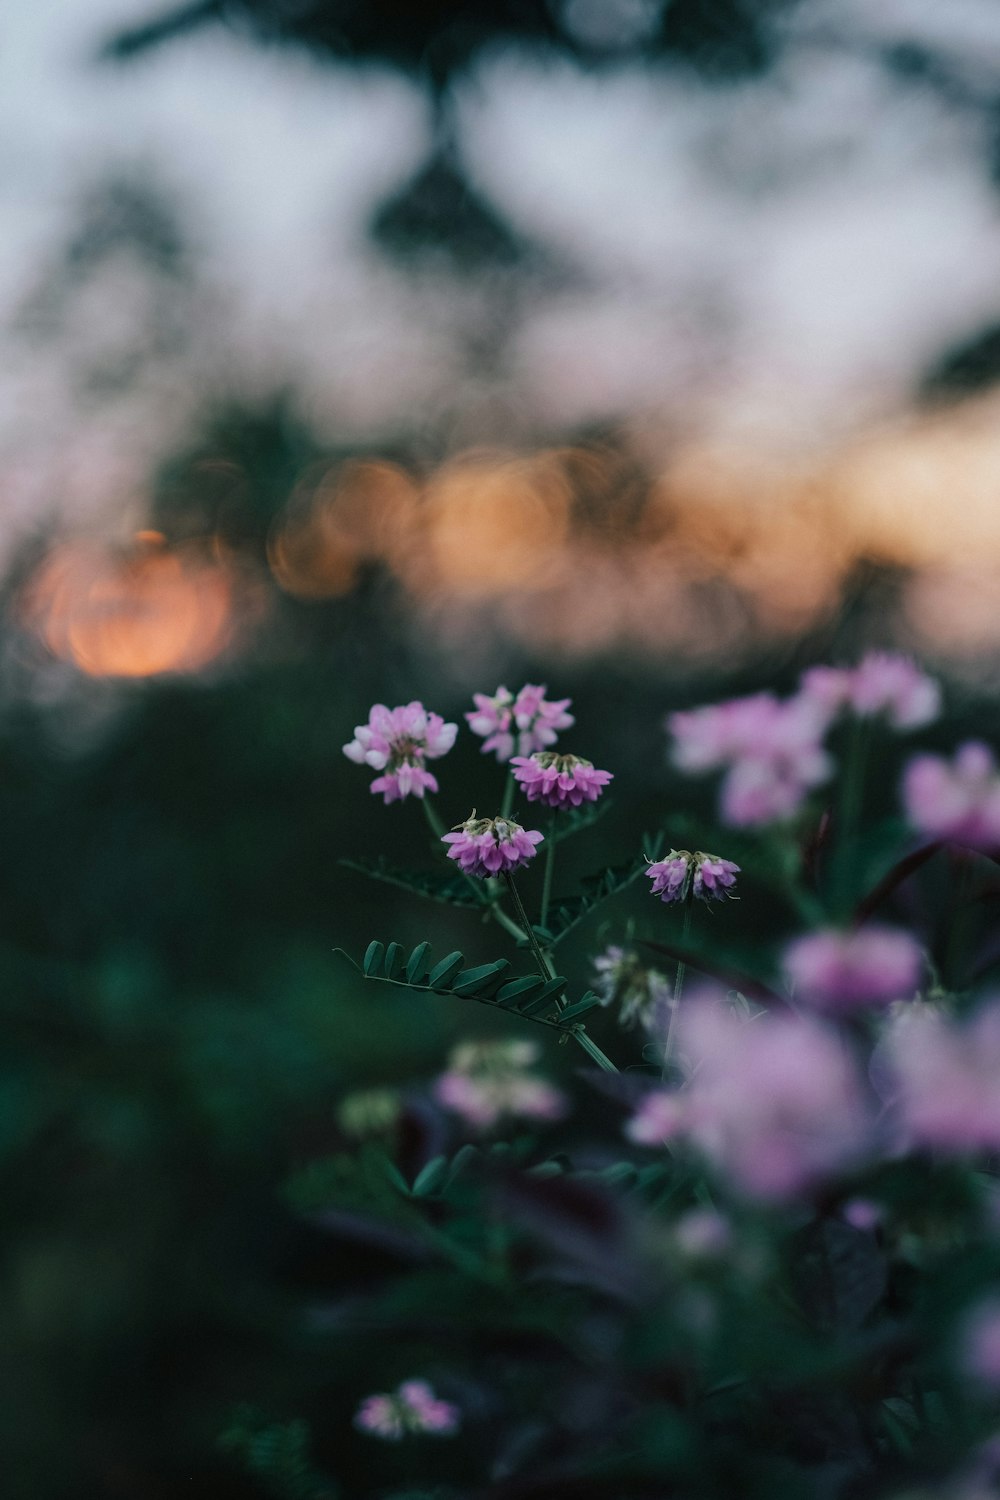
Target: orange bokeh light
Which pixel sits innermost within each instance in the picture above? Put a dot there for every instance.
(138, 613)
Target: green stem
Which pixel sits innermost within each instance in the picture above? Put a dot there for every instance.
(550, 860)
(544, 967)
(434, 822)
(849, 815)
(510, 787)
(675, 999)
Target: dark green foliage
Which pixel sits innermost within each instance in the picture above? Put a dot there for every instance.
(436, 886)
(277, 1454)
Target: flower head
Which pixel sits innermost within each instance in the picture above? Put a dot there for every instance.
(960, 801)
(487, 1081)
(398, 741)
(881, 683)
(412, 1408)
(840, 971)
(559, 780)
(524, 723)
(776, 1103)
(772, 750)
(946, 1078)
(491, 846)
(624, 980)
(682, 874)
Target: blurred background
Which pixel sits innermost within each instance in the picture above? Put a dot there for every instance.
(357, 351)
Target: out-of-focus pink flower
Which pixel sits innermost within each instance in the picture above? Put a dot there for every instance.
(840, 971)
(489, 1081)
(412, 1408)
(772, 748)
(661, 1117)
(559, 780)
(398, 741)
(883, 683)
(527, 722)
(960, 801)
(491, 846)
(703, 1234)
(640, 992)
(682, 873)
(862, 1213)
(979, 1344)
(946, 1078)
(775, 1102)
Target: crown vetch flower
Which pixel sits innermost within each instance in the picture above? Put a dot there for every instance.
(881, 683)
(491, 846)
(487, 1081)
(524, 723)
(773, 751)
(946, 1078)
(624, 980)
(398, 741)
(682, 873)
(412, 1408)
(840, 971)
(775, 1102)
(559, 780)
(960, 801)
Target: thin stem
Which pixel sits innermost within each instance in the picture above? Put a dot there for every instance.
(550, 860)
(849, 814)
(498, 914)
(434, 822)
(509, 789)
(544, 967)
(675, 999)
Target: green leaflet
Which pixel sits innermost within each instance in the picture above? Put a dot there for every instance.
(478, 981)
(418, 964)
(372, 962)
(520, 989)
(580, 1006)
(443, 973)
(394, 960)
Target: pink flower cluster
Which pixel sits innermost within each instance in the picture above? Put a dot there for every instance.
(491, 846)
(398, 741)
(945, 1076)
(842, 971)
(641, 993)
(776, 1102)
(960, 801)
(682, 873)
(412, 1408)
(489, 1081)
(881, 683)
(524, 723)
(771, 749)
(559, 780)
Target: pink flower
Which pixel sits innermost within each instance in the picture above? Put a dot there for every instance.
(840, 971)
(881, 683)
(525, 723)
(639, 991)
(682, 874)
(398, 741)
(946, 1076)
(773, 750)
(979, 1344)
(660, 1118)
(491, 846)
(412, 1408)
(488, 1081)
(960, 801)
(775, 1102)
(559, 780)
